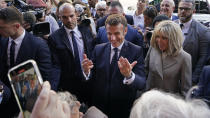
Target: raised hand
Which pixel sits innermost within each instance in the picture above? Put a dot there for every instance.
(87, 64)
(125, 67)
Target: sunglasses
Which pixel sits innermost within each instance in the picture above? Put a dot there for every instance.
(184, 8)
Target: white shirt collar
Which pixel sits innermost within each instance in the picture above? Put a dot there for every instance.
(119, 47)
(76, 30)
(187, 24)
(139, 16)
(19, 39)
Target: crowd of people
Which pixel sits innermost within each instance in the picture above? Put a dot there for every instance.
(98, 62)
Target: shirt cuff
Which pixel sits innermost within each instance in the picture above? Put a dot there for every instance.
(86, 77)
(130, 80)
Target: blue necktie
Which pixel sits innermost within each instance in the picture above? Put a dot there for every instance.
(114, 60)
(12, 54)
(76, 52)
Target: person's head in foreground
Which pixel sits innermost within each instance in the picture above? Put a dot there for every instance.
(158, 104)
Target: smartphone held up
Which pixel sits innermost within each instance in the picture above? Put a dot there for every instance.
(26, 82)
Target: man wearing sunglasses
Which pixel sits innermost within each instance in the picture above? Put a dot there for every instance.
(196, 37)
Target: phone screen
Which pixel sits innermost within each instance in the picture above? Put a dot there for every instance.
(26, 84)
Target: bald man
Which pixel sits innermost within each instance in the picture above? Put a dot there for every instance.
(68, 44)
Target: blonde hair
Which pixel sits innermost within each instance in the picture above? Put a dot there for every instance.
(173, 32)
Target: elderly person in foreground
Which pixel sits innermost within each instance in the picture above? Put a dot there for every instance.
(157, 104)
(168, 65)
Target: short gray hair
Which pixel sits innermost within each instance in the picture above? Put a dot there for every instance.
(68, 97)
(171, 2)
(158, 104)
(100, 4)
(65, 5)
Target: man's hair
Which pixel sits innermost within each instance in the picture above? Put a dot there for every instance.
(115, 4)
(100, 4)
(150, 11)
(158, 104)
(189, 1)
(62, 2)
(171, 2)
(159, 18)
(116, 19)
(11, 15)
(65, 5)
(173, 32)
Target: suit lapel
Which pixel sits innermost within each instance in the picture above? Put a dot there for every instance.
(84, 38)
(168, 62)
(158, 64)
(65, 39)
(107, 58)
(123, 49)
(4, 50)
(23, 49)
(188, 37)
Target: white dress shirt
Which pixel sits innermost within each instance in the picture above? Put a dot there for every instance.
(80, 43)
(185, 28)
(138, 20)
(18, 42)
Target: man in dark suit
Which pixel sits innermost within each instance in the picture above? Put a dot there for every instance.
(195, 35)
(203, 90)
(67, 46)
(167, 7)
(114, 7)
(18, 46)
(115, 80)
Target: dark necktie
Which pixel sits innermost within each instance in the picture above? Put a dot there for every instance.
(181, 26)
(12, 54)
(114, 60)
(76, 52)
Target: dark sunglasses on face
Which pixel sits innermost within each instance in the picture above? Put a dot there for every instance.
(184, 8)
(101, 9)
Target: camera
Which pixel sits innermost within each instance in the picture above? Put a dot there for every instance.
(148, 34)
(39, 29)
(82, 16)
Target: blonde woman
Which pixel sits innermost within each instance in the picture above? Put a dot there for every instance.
(168, 66)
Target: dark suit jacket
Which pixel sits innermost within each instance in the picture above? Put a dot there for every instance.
(6, 93)
(101, 22)
(132, 35)
(203, 90)
(174, 17)
(31, 48)
(196, 44)
(63, 59)
(110, 95)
